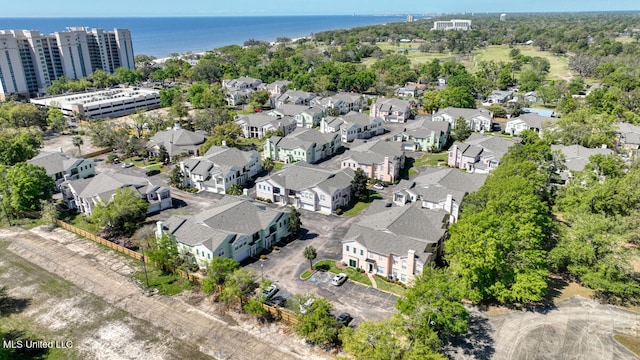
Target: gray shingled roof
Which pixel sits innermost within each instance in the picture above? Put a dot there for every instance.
(104, 185)
(391, 103)
(453, 179)
(56, 162)
(577, 156)
(339, 181)
(300, 175)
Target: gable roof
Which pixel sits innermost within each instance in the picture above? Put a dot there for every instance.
(300, 175)
(237, 215)
(176, 140)
(359, 118)
(577, 156)
(375, 151)
(104, 185)
(57, 162)
(392, 104)
(260, 120)
(467, 114)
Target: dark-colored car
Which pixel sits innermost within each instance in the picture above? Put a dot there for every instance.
(152, 172)
(277, 301)
(344, 319)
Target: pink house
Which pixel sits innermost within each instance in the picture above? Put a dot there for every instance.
(381, 160)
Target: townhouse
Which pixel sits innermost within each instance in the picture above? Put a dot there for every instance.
(220, 168)
(62, 167)
(234, 228)
(479, 153)
(477, 119)
(429, 136)
(576, 157)
(353, 126)
(303, 144)
(294, 97)
(391, 110)
(380, 160)
(239, 90)
(176, 141)
(342, 103)
(257, 125)
(628, 138)
(304, 116)
(395, 242)
(85, 194)
(528, 121)
(307, 187)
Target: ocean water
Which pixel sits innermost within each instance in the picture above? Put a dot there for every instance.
(162, 36)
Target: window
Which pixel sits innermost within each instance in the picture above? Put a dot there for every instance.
(347, 247)
(361, 252)
(403, 278)
(354, 250)
(404, 264)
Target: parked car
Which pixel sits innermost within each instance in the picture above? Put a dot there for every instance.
(269, 291)
(278, 301)
(152, 172)
(378, 186)
(339, 279)
(127, 165)
(344, 319)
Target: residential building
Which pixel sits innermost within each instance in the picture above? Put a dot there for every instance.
(342, 103)
(256, 125)
(499, 96)
(176, 141)
(395, 242)
(234, 228)
(438, 188)
(528, 121)
(628, 138)
(307, 187)
(576, 157)
(220, 168)
(304, 116)
(239, 90)
(453, 24)
(479, 153)
(353, 126)
(408, 91)
(303, 144)
(294, 97)
(103, 103)
(477, 119)
(33, 60)
(391, 110)
(380, 160)
(277, 88)
(62, 167)
(85, 194)
(429, 136)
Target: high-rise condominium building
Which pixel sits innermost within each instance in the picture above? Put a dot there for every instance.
(29, 61)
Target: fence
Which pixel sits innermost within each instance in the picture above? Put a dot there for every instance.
(279, 313)
(96, 153)
(100, 240)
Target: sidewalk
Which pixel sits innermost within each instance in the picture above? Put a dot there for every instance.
(373, 280)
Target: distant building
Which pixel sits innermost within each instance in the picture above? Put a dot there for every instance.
(503, 17)
(410, 18)
(453, 24)
(62, 167)
(103, 103)
(31, 60)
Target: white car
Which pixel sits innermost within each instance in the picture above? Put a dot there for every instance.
(378, 186)
(305, 306)
(127, 165)
(269, 291)
(339, 279)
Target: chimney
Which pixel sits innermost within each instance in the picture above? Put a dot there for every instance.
(159, 227)
(224, 142)
(60, 150)
(448, 203)
(177, 126)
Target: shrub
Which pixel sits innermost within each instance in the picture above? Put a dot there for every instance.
(339, 211)
(263, 257)
(360, 270)
(276, 248)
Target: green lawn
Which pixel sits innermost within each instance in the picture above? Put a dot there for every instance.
(416, 57)
(359, 206)
(352, 273)
(167, 284)
(79, 220)
(630, 342)
(390, 287)
(559, 64)
(429, 159)
(277, 165)
(147, 164)
(305, 275)
(256, 143)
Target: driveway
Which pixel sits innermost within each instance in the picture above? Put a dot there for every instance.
(325, 233)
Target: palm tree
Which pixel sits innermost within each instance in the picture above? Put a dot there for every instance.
(77, 142)
(268, 164)
(235, 189)
(310, 254)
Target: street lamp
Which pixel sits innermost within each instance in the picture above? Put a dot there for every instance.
(144, 265)
(4, 207)
(262, 270)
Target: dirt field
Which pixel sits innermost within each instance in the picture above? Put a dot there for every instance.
(72, 289)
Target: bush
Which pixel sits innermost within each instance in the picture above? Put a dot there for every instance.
(111, 158)
(81, 132)
(263, 257)
(276, 248)
(339, 211)
(360, 270)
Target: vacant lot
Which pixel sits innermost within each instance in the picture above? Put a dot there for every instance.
(417, 57)
(559, 64)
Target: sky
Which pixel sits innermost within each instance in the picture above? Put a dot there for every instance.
(143, 8)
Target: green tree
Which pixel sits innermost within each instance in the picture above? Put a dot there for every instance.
(26, 115)
(238, 286)
(254, 306)
(124, 213)
(359, 186)
(55, 119)
(295, 223)
(235, 189)
(176, 177)
(460, 97)
(318, 325)
(164, 253)
(268, 164)
(49, 212)
(217, 272)
(549, 94)
(125, 75)
(77, 142)
(462, 130)
(24, 185)
(227, 132)
(18, 145)
(310, 254)
(163, 154)
(431, 101)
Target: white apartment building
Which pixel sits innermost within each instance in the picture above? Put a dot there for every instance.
(453, 24)
(30, 61)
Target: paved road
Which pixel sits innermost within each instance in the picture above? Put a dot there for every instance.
(105, 273)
